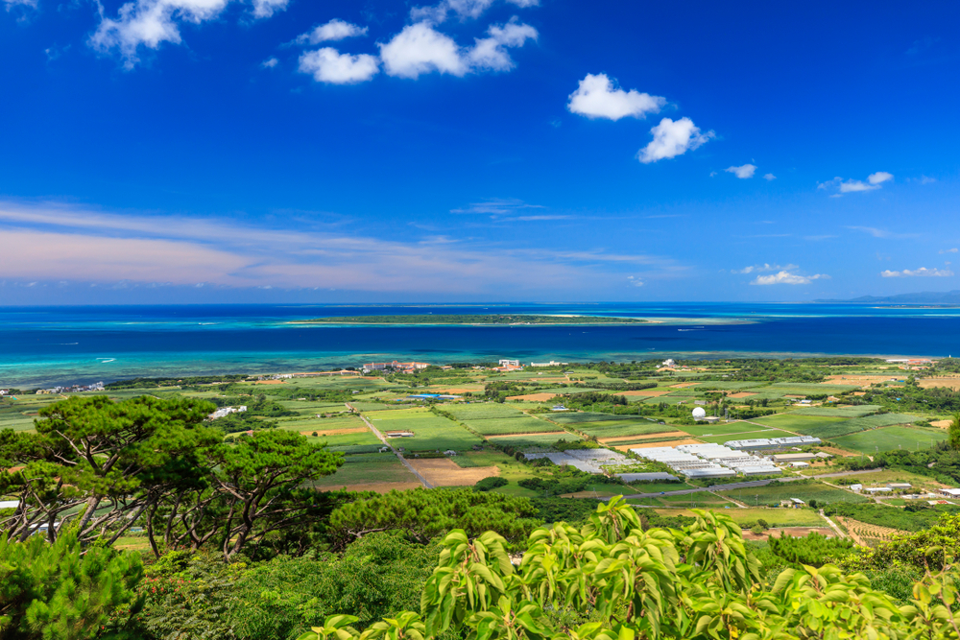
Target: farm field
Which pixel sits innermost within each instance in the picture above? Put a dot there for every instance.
(774, 517)
(772, 494)
(432, 432)
(891, 438)
(443, 472)
(800, 388)
(794, 422)
(621, 428)
(481, 411)
(893, 475)
(836, 430)
(719, 429)
(749, 435)
(505, 426)
(577, 417)
(374, 468)
(535, 439)
(841, 412)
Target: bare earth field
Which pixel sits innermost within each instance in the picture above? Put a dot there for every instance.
(943, 424)
(534, 397)
(461, 389)
(684, 385)
(950, 383)
(442, 472)
(742, 394)
(863, 381)
(532, 433)
(269, 382)
(670, 443)
(839, 452)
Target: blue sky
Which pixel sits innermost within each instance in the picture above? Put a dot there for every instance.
(476, 150)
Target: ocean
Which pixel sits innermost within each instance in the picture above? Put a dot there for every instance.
(48, 346)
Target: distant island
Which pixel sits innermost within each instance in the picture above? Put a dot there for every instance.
(926, 297)
(473, 319)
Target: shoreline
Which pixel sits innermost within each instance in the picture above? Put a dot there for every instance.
(638, 322)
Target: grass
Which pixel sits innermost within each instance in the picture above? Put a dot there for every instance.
(360, 469)
(520, 424)
(891, 438)
(432, 432)
(773, 493)
(795, 422)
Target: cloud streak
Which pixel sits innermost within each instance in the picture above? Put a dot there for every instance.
(922, 272)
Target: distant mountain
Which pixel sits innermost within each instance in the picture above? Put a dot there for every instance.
(926, 297)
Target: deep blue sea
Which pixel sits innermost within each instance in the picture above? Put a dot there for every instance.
(77, 345)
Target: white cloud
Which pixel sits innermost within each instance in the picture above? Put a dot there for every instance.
(954, 250)
(334, 30)
(10, 4)
(597, 97)
(743, 172)
(927, 180)
(464, 9)
(671, 139)
(769, 177)
(766, 267)
(330, 66)
(420, 49)
(269, 63)
(922, 272)
(153, 22)
(874, 182)
(490, 53)
(635, 281)
(785, 277)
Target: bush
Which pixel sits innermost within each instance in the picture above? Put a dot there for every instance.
(488, 484)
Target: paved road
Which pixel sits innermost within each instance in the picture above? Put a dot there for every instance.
(750, 484)
(399, 455)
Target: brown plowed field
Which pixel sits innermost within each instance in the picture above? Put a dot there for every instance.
(534, 397)
(943, 424)
(863, 381)
(530, 433)
(950, 383)
(269, 382)
(684, 385)
(333, 432)
(461, 390)
(839, 452)
(742, 394)
(644, 393)
(442, 472)
(670, 434)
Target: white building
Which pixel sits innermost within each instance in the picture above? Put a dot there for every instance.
(548, 364)
(669, 363)
(509, 363)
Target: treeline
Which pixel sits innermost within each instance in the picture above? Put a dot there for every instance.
(154, 383)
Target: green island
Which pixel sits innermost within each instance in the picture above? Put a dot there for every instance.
(473, 319)
(371, 505)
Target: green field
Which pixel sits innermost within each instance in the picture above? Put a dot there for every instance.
(432, 432)
(891, 438)
(798, 423)
(718, 429)
(535, 439)
(772, 494)
(838, 429)
(622, 428)
(801, 388)
(749, 435)
(481, 411)
(520, 424)
(842, 412)
(376, 467)
(577, 417)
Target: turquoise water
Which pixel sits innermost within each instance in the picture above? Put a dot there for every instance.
(76, 345)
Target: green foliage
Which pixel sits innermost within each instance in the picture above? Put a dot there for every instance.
(488, 484)
(59, 591)
(954, 432)
(934, 547)
(378, 576)
(424, 514)
(814, 549)
(611, 580)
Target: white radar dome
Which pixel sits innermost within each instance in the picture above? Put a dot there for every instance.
(699, 413)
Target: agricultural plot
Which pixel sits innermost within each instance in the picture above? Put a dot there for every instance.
(622, 428)
(504, 426)
(772, 494)
(368, 469)
(535, 439)
(891, 438)
(841, 412)
(805, 389)
(366, 407)
(718, 429)
(838, 429)
(793, 421)
(443, 472)
(728, 386)
(481, 411)
(748, 435)
(578, 417)
(431, 432)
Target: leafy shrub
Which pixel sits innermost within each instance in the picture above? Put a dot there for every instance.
(488, 484)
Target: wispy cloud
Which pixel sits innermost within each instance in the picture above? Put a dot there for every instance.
(769, 177)
(882, 233)
(760, 268)
(954, 250)
(56, 242)
(922, 272)
(497, 208)
(842, 186)
(785, 277)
